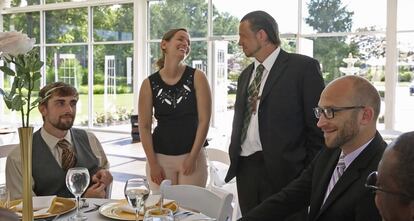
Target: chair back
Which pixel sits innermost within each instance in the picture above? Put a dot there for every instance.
(216, 176)
(213, 204)
(218, 155)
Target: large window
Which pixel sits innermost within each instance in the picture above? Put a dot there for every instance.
(96, 46)
(94, 56)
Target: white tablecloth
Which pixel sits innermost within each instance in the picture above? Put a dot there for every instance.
(96, 216)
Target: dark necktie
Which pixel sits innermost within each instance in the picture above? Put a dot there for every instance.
(339, 170)
(68, 156)
(252, 98)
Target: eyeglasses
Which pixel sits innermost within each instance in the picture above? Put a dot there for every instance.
(371, 183)
(329, 112)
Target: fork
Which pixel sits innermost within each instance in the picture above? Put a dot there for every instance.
(97, 206)
(84, 204)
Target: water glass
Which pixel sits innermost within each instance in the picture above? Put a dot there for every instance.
(4, 197)
(77, 180)
(136, 191)
(159, 214)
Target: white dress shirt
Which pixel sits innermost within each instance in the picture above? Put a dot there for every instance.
(252, 142)
(14, 171)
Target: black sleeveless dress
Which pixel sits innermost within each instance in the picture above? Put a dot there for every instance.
(175, 108)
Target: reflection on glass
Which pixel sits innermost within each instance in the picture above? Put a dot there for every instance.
(159, 214)
(226, 11)
(70, 65)
(28, 23)
(113, 84)
(22, 3)
(67, 26)
(58, 1)
(349, 16)
(136, 191)
(121, 27)
(77, 180)
(165, 15)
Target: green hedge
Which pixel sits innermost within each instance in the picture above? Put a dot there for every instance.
(99, 89)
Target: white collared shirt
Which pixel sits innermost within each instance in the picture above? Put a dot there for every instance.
(14, 166)
(52, 141)
(252, 142)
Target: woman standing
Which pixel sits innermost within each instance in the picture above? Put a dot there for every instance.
(180, 96)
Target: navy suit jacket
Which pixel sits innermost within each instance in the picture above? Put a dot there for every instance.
(287, 125)
(349, 199)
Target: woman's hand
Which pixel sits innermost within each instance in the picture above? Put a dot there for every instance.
(157, 173)
(189, 165)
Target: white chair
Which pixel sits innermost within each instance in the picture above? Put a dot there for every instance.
(213, 204)
(217, 159)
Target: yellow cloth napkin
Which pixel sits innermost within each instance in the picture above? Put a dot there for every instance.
(39, 202)
(41, 205)
(150, 202)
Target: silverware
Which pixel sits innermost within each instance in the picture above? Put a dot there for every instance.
(97, 206)
(84, 204)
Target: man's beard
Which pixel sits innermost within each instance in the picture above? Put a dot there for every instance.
(64, 125)
(252, 54)
(347, 133)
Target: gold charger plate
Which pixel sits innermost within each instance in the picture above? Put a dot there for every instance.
(59, 206)
(114, 210)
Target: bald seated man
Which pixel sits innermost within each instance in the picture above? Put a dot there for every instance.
(394, 182)
(333, 185)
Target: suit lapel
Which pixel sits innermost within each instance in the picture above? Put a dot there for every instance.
(277, 70)
(245, 82)
(352, 173)
(325, 179)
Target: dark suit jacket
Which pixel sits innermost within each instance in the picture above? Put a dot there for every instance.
(349, 199)
(288, 133)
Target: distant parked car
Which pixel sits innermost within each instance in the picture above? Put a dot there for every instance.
(412, 88)
(232, 88)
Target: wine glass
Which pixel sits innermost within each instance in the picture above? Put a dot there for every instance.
(77, 180)
(4, 197)
(136, 192)
(159, 214)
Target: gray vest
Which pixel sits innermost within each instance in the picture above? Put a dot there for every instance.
(49, 177)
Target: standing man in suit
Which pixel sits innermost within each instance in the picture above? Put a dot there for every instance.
(393, 183)
(332, 187)
(274, 134)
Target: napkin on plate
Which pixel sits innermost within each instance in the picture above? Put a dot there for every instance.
(41, 204)
(151, 201)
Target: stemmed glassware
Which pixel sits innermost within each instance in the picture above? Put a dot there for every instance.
(77, 180)
(4, 197)
(159, 214)
(136, 192)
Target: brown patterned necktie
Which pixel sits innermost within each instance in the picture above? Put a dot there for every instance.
(68, 156)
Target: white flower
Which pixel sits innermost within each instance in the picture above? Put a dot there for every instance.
(15, 43)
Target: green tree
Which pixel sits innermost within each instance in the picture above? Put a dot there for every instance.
(326, 16)
(190, 14)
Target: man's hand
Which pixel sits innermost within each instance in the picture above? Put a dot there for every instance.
(102, 176)
(96, 190)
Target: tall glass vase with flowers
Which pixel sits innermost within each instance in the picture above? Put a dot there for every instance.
(17, 48)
